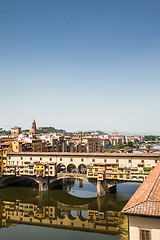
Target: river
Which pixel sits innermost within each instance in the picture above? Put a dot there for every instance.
(72, 213)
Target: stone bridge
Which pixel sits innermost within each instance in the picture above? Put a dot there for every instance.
(46, 183)
(41, 182)
(143, 150)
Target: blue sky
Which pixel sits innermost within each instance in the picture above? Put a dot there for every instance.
(80, 64)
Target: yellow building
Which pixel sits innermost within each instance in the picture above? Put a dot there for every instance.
(17, 146)
(108, 171)
(1, 162)
(95, 170)
(5, 152)
(39, 169)
(6, 147)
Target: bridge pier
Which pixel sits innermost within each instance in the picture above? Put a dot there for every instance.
(80, 183)
(102, 187)
(43, 185)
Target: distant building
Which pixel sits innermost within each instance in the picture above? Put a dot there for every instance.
(93, 144)
(117, 138)
(15, 131)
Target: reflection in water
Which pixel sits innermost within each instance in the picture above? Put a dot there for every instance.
(60, 211)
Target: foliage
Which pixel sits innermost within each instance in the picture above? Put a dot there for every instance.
(130, 144)
(147, 168)
(119, 145)
(45, 130)
(4, 132)
(39, 170)
(110, 151)
(150, 138)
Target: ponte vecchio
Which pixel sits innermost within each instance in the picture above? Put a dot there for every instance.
(104, 170)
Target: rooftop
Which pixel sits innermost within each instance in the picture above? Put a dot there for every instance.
(146, 200)
(103, 155)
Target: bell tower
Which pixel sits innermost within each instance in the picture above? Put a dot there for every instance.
(34, 125)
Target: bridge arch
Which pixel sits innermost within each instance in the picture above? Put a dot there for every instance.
(155, 151)
(61, 214)
(61, 168)
(81, 216)
(70, 215)
(26, 181)
(71, 168)
(82, 168)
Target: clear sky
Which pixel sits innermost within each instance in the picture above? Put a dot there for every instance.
(80, 64)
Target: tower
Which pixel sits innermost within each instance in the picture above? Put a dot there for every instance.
(34, 125)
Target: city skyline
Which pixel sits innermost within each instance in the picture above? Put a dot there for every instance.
(80, 66)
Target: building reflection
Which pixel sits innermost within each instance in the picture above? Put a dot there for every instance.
(60, 215)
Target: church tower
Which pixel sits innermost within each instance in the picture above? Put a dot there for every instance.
(34, 125)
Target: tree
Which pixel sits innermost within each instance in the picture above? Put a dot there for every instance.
(119, 145)
(150, 138)
(130, 144)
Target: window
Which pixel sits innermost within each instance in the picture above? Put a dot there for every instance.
(105, 160)
(129, 161)
(50, 159)
(156, 161)
(145, 234)
(50, 172)
(50, 167)
(81, 159)
(9, 157)
(142, 161)
(40, 158)
(117, 161)
(30, 158)
(21, 158)
(93, 160)
(60, 159)
(71, 160)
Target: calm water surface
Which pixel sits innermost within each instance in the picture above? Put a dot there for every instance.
(74, 213)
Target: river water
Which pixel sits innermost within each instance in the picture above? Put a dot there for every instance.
(73, 213)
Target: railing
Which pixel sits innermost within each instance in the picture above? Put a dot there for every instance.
(71, 175)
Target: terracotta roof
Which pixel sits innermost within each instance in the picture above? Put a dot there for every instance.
(5, 143)
(146, 200)
(52, 163)
(32, 131)
(97, 164)
(149, 155)
(140, 164)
